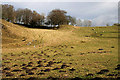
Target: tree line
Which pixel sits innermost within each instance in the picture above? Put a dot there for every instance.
(22, 16)
(33, 18)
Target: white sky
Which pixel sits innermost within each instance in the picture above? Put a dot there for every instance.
(100, 12)
(59, 0)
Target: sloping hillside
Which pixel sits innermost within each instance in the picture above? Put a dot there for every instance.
(10, 32)
(16, 36)
(13, 35)
(69, 52)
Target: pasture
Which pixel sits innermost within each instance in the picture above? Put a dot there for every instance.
(68, 52)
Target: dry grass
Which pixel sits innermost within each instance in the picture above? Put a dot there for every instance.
(76, 47)
(13, 34)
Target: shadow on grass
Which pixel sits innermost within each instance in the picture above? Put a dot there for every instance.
(109, 37)
(37, 27)
(32, 78)
(111, 32)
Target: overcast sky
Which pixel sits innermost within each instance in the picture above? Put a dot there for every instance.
(100, 13)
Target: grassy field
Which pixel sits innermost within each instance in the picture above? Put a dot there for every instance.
(69, 52)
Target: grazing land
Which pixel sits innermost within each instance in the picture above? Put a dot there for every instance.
(68, 52)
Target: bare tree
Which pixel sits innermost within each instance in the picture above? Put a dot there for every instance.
(87, 23)
(57, 17)
(71, 20)
(27, 16)
(36, 19)
(19, 15)
(79, 22)
(8, 12)
(23, 16)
